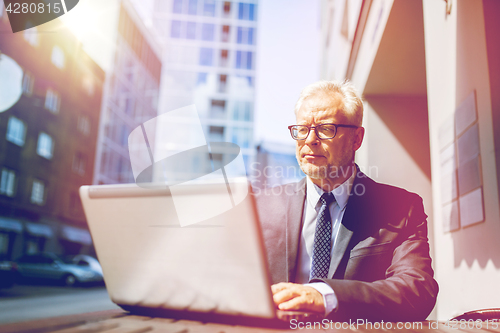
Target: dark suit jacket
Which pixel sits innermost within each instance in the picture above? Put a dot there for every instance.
(380, 268)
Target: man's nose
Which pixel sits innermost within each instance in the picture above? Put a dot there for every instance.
(312, 138)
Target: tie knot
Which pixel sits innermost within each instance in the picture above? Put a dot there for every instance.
(327, 198)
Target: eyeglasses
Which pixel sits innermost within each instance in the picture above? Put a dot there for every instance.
(323, 131)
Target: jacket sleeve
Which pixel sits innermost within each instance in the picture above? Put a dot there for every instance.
(407, 293)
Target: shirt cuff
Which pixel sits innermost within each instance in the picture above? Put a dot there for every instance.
(329, 298)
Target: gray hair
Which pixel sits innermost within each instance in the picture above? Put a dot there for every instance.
(351, 99)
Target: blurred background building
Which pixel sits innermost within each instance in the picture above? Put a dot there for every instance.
(47, 140)
(70, 126)
(209, 60)
(429, 73)
(275, 164)
(131, 89)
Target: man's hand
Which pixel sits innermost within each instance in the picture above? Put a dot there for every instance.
(292, 296)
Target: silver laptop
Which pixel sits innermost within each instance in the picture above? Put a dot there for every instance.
(195, 248)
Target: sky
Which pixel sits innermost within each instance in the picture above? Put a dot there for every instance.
(288, 59)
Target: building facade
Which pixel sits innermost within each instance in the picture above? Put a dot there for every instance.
(429, 73)
(209, 60)
(47, 141)
(131, 90)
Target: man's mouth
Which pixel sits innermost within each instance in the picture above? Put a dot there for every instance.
(312, 156)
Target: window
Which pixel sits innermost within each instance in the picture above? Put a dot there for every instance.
(227, 8)
(222, 83)
(7, 182)
(206, 55)
(244, 60)
(209, 8)
(57, 57)
(192, 7)
(224, 55)
(177, 6)
(242, 137)
(79, 163)
(175, 31)
(216, 133)
(224, 37)
(31, 34)
(84, 125)
(191, 30)
(123, 135)
(245, 36)
(52, 101)
(246, 11)
(4, 237)
(242, 111)
(45, 146)
(202, 78)
(16, 131)
(250, 81)
(218, 109)
(207, 31)
(37, 192)
(28, 82)
(128, 105)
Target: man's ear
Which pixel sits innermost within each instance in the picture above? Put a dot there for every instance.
(358, 138)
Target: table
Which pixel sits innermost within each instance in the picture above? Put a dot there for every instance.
(119, 321)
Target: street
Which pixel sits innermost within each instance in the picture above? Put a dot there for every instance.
(28, 302)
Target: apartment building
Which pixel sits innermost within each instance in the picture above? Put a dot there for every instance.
(48, 139)
(209, 60)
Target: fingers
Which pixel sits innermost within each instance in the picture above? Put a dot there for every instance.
(280, 286)
(297, 303)
(291, 296)
(284, 295)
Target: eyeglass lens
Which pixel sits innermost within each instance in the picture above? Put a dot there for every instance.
(323, 131)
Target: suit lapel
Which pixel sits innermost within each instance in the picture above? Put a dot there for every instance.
(294, 219)
(339, 249)
(351, 221)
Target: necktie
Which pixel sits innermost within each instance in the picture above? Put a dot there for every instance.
(322, 239)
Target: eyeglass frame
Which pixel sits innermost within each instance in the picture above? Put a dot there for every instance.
(316, 131)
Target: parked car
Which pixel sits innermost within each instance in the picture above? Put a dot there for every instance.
(50, 267)
(8, 274)
(86, 260)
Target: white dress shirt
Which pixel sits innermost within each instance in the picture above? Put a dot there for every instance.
(312, 206)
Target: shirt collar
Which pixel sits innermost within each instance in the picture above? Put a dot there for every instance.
(341, 193)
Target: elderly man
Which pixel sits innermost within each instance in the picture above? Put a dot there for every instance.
(338, 242)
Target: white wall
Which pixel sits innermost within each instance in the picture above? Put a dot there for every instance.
(468, 259)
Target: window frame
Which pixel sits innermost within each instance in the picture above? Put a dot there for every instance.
(9, 177)
(41, 148)
(52, 101)
(57, 57)
(12, 137)
(28, 83)
(38, 186)
(30, 34)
